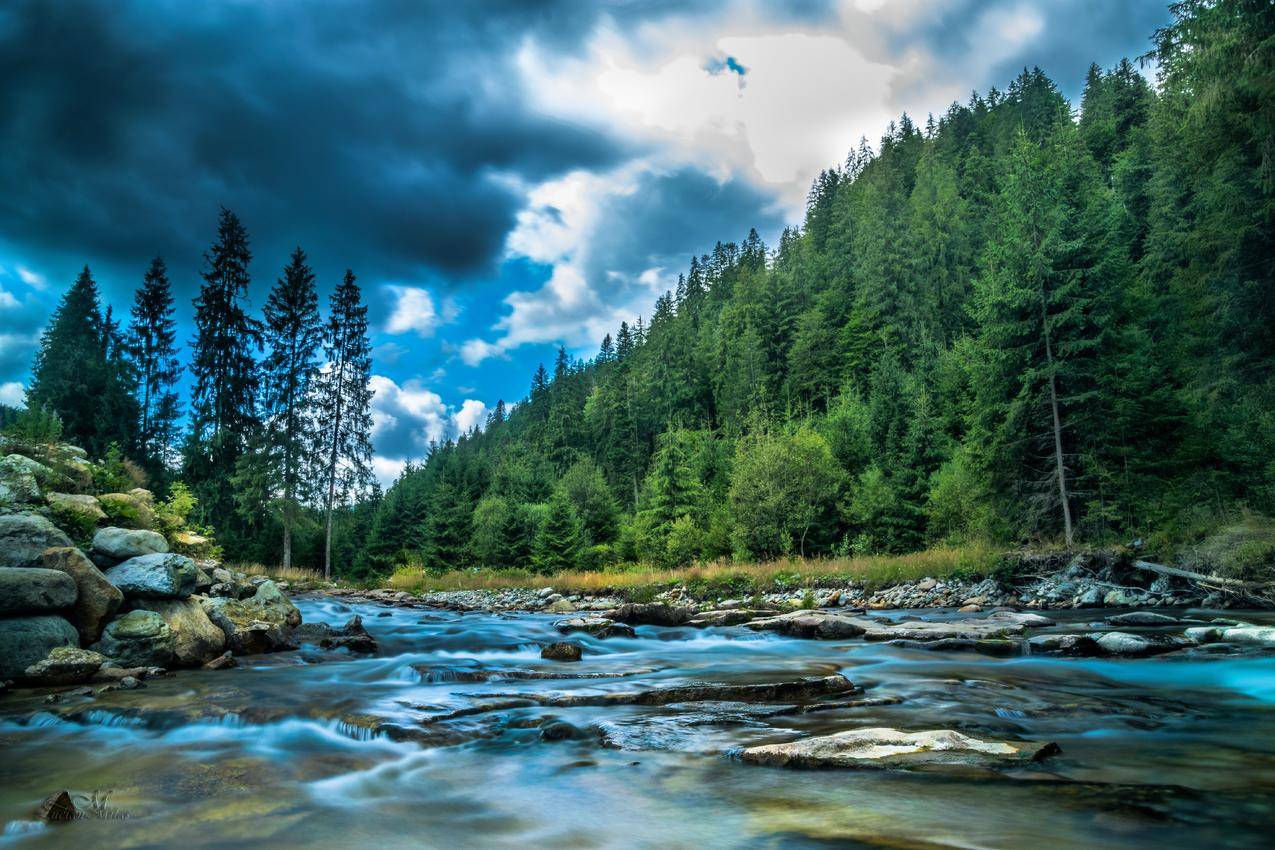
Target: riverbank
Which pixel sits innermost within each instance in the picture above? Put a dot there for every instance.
(971, 579)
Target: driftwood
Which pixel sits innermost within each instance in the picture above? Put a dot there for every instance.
(1263, 590)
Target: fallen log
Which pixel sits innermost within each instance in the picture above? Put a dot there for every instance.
(1263, 590)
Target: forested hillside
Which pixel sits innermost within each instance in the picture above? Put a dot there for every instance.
(1022, 320)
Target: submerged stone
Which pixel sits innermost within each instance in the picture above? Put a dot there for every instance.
(890, 748)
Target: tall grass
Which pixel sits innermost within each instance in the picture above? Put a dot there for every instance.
(719, 576)
(279, 573)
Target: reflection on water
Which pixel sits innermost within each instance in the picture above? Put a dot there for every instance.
(317, 749)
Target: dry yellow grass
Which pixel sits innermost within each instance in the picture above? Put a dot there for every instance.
(278, 573)
(875, 570)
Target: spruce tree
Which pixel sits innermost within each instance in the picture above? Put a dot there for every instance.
(223, 414)
(293, 334)
(151, 339)
(80, 374)
(558, 539)
(343, 403)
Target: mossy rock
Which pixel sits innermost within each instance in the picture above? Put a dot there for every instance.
(127, 510)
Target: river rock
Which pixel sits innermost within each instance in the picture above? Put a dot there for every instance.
(1126, 644)
(195, 638)
(65, 665)
(26, 640)
(986, 646)
(250, 629)
(79, 505)
(794, 690)
(890, 748)
(650, 614)
(225, 661)
(277, 607)
(124, 543)
(560, 606)
(138, 639)
(728, 617)
(57, 807)
(24, 537)
(600, 627)
(97, 599)
(162, 575)
(1081, 646)
(1021, 618)
(1143, 618)
(352, 636)
(974, 629)
(561, 651)
(1259, 635)
(29, 590)
(823, 625)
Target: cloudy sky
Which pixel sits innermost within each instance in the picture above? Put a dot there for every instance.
(502, 177)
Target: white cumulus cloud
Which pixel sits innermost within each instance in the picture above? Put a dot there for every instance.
(415, 310)
(13, 394)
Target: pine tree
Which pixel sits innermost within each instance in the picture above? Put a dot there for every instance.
(223, 414)
(152, 346)
(343, 404)
(293, 335)
(80, 374)
(558, 540)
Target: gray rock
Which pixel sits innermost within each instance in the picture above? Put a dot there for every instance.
(276, 607)
(65, 665)
(97, 599)
(1130, 645)
(155, 576)
(823, 625)
(24, 537)
(28, 590)
(20, 480)
(26, 640)
(890, 748)
(1074, 645)
(650, 614)
(972, 629)
(225, 661)
(138, 639)
(1256, 635)
(1143, 618)
(79, 505)
(600, 627)
(1022, 618)
(261, 623)
(1091, 598)
(195, 638)
(561, 651)
(124, 543)
(57, 807)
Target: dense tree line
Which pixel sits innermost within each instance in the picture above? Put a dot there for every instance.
(1020, 321)
(275, 443)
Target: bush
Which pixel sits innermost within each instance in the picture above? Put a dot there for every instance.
(684, 544)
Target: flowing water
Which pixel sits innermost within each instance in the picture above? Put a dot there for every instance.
(324, 750)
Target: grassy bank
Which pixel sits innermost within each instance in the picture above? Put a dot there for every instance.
(722, 577)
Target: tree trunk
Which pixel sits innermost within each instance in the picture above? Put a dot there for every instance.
(287, 542)
(1060, 468)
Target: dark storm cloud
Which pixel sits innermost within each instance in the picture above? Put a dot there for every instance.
(673, 216)
(1075, 34)
(376, 134)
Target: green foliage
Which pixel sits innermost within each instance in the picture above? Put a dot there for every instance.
(558, 538)
(34, 425)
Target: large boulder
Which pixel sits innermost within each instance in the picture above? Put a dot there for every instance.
(82, 507)
(20, 479)
(27, 590)
(261, 623)
(26, 640)
(24, 537)
(138, 639)
(65, 665)
(124, 543)
(1127, 644)
(97, 599)
(651, 614)
(131, 510)
(195, 638)
(155, 576)
(276, 607)
(890, 748)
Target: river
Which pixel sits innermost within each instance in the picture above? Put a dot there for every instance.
(293, 750)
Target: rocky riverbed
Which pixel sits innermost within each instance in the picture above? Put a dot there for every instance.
(826, 727)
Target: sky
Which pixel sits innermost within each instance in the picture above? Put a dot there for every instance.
(503, 178)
